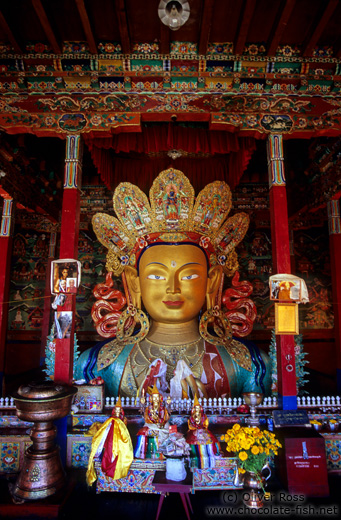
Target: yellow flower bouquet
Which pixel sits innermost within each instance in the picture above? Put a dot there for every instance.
(253, 447)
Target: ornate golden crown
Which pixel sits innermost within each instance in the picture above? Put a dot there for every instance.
(172, 216)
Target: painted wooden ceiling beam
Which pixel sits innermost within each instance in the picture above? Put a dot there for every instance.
(279, 27)
(24, 193)
(5, 27)
(40, 11)
(123, 26)
(320, 27)
(86, 26)
(244, 26)
(206, 24)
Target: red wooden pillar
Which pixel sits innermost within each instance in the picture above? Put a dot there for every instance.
(69, 250)
(334, 225)
(5, 265)
(292, 251)
(45, 329)
(287, 391)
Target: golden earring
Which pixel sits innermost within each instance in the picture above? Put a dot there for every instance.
(221, 326)
(132, 315)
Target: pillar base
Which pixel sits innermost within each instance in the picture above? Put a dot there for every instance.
(287, 402)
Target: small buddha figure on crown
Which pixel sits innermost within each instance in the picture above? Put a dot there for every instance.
(172, 270)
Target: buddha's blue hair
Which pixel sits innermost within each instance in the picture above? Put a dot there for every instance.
(257, 360)
(92, 359)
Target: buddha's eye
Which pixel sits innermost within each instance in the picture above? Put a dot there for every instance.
(190, 277)
(155, 277)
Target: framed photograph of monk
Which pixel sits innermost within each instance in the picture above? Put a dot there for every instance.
(65, 276)
(286, 318)
(282, 289)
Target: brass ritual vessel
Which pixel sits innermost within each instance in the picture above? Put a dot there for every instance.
(253, 488)
(42, 403)
(253, 399)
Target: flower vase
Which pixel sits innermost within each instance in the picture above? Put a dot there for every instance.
(253, 486)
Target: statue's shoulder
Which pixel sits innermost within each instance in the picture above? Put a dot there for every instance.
(252, 370)
(239, 353)
(110, 352)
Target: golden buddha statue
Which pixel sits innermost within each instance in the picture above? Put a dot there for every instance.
(172, 254)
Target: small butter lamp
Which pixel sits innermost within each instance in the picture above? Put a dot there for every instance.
(253, 399)
(333, 425)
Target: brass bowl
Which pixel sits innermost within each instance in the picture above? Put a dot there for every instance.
(252, 398)
(43, 401)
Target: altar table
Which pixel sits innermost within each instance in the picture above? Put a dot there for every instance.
(164, 486)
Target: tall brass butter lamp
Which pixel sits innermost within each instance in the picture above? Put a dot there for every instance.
(42, 473)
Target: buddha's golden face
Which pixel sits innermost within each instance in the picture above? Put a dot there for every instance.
(173, 282)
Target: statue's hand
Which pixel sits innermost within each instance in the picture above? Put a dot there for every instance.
(201, 387)
(195, 385)
(184, 382)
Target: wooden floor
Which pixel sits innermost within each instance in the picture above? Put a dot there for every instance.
(78, 502)
(50, 507)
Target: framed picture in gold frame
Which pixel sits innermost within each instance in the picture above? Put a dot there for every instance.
(286, 318)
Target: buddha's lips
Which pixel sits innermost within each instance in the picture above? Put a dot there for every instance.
(171, 303)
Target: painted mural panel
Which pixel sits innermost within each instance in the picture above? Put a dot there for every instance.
(255, 262)
(254, 253)
(91, 254)
(311, 248)
(311, 262)
(28, 275)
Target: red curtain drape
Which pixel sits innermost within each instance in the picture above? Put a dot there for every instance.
(227, 155)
